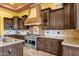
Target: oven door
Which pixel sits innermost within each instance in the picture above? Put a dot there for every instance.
(31, 42)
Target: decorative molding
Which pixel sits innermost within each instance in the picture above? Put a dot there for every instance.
(17, 9)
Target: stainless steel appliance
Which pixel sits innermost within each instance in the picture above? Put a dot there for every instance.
(30, 41)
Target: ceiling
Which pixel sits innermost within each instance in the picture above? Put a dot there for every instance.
(17, 7)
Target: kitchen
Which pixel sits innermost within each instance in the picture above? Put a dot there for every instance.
(39, 29)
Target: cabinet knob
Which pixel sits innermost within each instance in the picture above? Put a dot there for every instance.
(10, 51)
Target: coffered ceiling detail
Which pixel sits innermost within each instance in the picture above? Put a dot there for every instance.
(17, 7)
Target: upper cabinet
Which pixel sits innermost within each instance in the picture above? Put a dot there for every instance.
(14, 23)
(53, 19)
(21, 21)
(8, 24)
(70, 15)
(46, 18)
(59, 18)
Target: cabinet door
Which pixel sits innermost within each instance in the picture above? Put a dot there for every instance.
(1, 51)
(55, 45)
(51, 45)
(13, 50)
(48, 45)
(52, 20)
(41, 43)
(70, 15)
(67, 15)
(9, 50)
(15, 20)
(59, 19)
(18, 49)
(46, 18)
(21, 24)
(8, 24)
(70, 51)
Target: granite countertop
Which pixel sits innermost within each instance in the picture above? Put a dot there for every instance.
(14, 34)
(71, 42)
(53, 37)
(10, 41)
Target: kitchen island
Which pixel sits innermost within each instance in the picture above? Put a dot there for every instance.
(11, 47)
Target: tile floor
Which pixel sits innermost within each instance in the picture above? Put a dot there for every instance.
(32, 52)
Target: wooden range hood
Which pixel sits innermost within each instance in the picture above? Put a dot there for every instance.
(36, 20)
(33, 21)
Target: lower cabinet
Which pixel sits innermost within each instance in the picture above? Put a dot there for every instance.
(1, 51)
(50, 45)
(70, 51)
(41, 44)
(12, 50)
(17, 36)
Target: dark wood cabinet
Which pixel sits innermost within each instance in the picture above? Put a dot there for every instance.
(53, 19)
(46, 18)
(41, 44)
(12, 50)
(8, 23)
(50, 45)
(14, 23)
(20, 37)
(61, 18)
(70, 15)
(1, 51)
(57, 19)
(17, 36)
(21, 24)
(70, 51)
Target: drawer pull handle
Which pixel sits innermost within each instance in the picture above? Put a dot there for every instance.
(10, 51)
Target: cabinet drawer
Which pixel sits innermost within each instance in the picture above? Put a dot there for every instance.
(8, 50)
(13, 50)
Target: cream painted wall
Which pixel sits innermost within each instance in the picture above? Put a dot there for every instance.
(51, 5)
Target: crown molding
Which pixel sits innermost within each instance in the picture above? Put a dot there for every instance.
(18, 9)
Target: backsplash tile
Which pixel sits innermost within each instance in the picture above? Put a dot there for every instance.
(15, 32)
(53, 33)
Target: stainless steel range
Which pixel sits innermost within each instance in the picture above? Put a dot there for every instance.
(30, 41)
